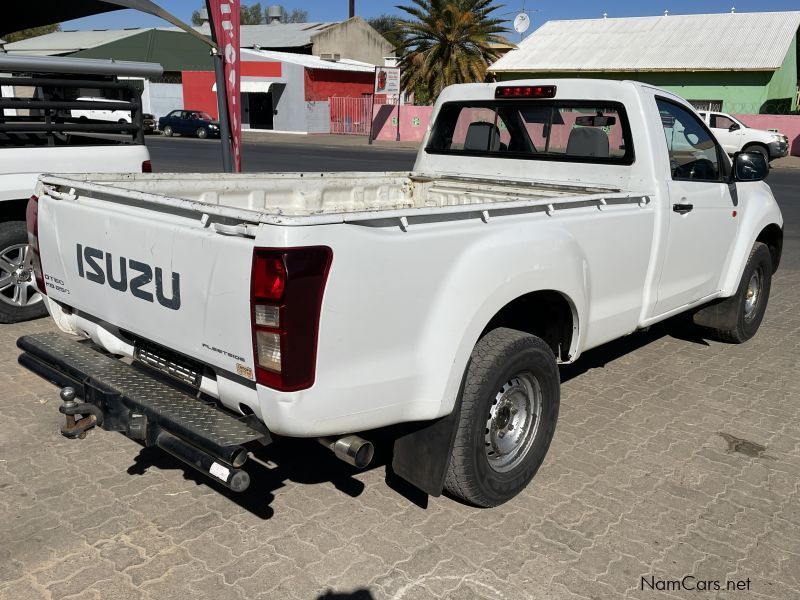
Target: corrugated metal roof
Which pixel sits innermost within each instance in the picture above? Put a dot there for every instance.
(312, 62)
(283, 35)
(67, 42)
(716, 42)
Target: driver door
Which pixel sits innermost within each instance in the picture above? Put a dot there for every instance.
(701, 226)
(721, 125)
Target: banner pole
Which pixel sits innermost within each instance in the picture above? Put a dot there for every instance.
(222, 109)
(372, 108)
(397, 137)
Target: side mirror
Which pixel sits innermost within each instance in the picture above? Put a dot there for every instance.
(734, 127)
(749, 166)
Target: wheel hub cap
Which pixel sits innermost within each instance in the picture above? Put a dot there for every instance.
(16, 277)
(513, 422)
(753, 294)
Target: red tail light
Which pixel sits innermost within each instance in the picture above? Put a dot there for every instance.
(147, 167)
(286, 297)
(32, 220)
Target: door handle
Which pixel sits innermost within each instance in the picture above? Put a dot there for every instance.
(682, 209)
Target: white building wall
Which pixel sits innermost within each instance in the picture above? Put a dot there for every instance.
(162, 98)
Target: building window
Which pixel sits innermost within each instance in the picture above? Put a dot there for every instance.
(706, 104)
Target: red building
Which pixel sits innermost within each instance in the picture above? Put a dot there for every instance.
(284, 91)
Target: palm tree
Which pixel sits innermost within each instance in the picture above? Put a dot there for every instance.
(447, 42)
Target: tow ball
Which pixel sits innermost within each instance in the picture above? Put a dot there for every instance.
(77, 428)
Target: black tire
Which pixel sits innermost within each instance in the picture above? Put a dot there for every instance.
(734, 319)
(14, 233)
(500, 358)
(759, 149)
(167, 131)
(202, 133)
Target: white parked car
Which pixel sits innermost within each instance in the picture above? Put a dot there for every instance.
(94, 114)
(735, 136)
(542, 219)
(29, 145)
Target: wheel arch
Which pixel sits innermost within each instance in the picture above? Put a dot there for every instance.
(772, 237)
(13, 210)
(548, 314)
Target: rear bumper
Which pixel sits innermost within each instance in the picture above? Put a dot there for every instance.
(134, 401)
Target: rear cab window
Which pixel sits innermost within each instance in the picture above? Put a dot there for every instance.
(577, 131)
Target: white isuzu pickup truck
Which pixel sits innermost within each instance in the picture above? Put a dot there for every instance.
(207, 314)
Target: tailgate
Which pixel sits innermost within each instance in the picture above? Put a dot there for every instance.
(162, 274)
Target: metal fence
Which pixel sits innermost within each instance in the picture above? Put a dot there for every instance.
(351, 116)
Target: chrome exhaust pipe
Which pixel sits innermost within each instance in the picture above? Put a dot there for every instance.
(352, 449)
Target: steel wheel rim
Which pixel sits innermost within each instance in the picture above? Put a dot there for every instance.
(16, 277)
(513, 422)
(753, 294)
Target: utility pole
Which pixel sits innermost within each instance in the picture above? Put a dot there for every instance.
(352, 8)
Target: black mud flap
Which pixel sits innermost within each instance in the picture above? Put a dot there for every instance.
(135, 401)
(422, 456)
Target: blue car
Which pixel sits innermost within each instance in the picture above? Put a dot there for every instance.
(189, 122)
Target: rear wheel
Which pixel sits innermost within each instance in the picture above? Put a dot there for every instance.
(19, 299)
(167, 131)
(509, 408)
(202, 133)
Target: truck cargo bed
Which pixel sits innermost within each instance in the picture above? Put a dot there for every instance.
(291, 198)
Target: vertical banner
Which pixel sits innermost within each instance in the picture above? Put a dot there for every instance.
(225, 19)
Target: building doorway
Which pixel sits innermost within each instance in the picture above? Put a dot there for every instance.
(261, 110)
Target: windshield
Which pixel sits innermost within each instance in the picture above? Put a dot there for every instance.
(559, 130)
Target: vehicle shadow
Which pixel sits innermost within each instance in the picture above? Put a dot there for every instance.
(306, 462)
(679, 327)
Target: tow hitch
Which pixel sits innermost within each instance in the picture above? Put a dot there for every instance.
(69, 408)
(129, 399)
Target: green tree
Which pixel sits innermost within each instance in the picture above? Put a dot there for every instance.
(251, 14)
(447, 42)
(389, 27)
(254, 14)
(32, 32)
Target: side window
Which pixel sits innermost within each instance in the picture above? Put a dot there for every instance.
(721, 122)
(175, 114)
(693, 153)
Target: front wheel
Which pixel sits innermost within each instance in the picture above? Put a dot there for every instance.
(759, 150)
(167, 131)
(509, 408)
(19, 299)
(737, 319)
(202, 133)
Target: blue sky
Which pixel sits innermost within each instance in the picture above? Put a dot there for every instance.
(332, 10)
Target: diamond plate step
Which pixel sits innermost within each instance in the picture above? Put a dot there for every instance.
(161, 403)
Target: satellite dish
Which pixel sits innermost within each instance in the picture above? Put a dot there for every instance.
(521, 23)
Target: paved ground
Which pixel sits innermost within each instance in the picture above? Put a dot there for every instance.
(647, 476)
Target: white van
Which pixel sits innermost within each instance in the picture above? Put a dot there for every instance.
(115, 116)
